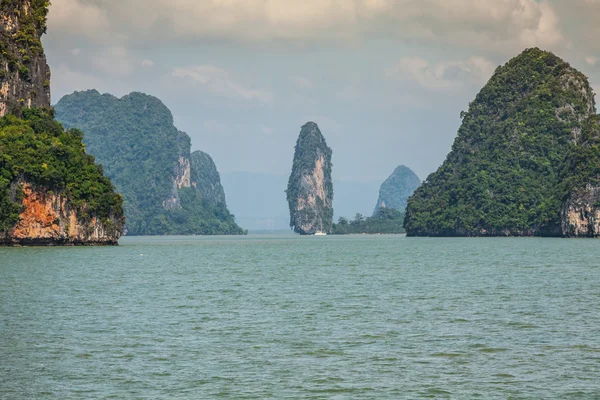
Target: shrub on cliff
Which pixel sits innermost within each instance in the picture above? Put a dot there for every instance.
(512, 165)
(144, 154)
(37, 150)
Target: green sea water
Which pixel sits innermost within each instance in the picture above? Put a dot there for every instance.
(282, 317)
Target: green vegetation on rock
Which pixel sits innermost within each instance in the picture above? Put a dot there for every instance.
(310, 188)
(528, 140)
(37, 150)
(24, 73)
(149, 161)
(385, 221)
(206, 178)
(396, 189)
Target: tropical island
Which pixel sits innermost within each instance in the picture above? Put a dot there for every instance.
(310, 187)
(167, 188)
(526, 161)
(51, 191)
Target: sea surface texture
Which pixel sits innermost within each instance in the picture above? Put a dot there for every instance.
(282, 317)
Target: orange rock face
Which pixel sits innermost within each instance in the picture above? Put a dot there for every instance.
(40, 217)
(47, 219)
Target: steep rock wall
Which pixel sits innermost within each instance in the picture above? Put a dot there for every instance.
(47, 218)
(310, 188)
(149, 161)
(523, 159)
(24, 72)
(206, 178)
(581, 213)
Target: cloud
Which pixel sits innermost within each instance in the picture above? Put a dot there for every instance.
(502, 24)
(113, 61)
(445, 76)
(581, 18)
(79, 18)
(147, 63)
(69, 81)
(218, 82)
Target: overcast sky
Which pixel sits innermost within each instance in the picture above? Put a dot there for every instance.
(385, 80)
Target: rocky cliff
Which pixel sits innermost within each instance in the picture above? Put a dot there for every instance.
(206, 179)
(165, 188)
(49, 218)
(51, 191)
(396, 189)
(24, 73)
(525, 161)
(310, 188)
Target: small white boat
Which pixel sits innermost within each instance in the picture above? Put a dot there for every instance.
(320, 234)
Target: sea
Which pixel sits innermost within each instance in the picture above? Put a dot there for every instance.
(289, 317)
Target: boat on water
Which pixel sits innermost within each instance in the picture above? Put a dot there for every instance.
(320, 234)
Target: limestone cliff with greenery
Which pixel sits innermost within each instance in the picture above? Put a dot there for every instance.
(206, 178)
(166, 190)
(525, 161)
(24, 73)
(310, 188)
(51, 191)
(396, 189)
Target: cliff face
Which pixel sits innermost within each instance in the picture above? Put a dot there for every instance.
(150, 162)
(48, 218)
(51, 191)
(206, 179)
(182, 173)
(310, 188)
(24, 73)
(581, 213)
(525, 161)
(396, 189)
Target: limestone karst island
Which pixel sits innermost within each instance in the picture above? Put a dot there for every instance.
(172, 227)
(310, 188)
(167, 188)
(51, 191)
(526, 161)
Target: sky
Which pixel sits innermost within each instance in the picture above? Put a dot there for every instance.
(385, 80)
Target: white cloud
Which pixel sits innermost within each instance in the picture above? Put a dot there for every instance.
(69, 81)
(147, 63)
(545, 32)
(66, 80)
(591, 60)
(79, 19)
(218, 82)
(114, 61)
(502, 24)
(581, 17)
(445, 76)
